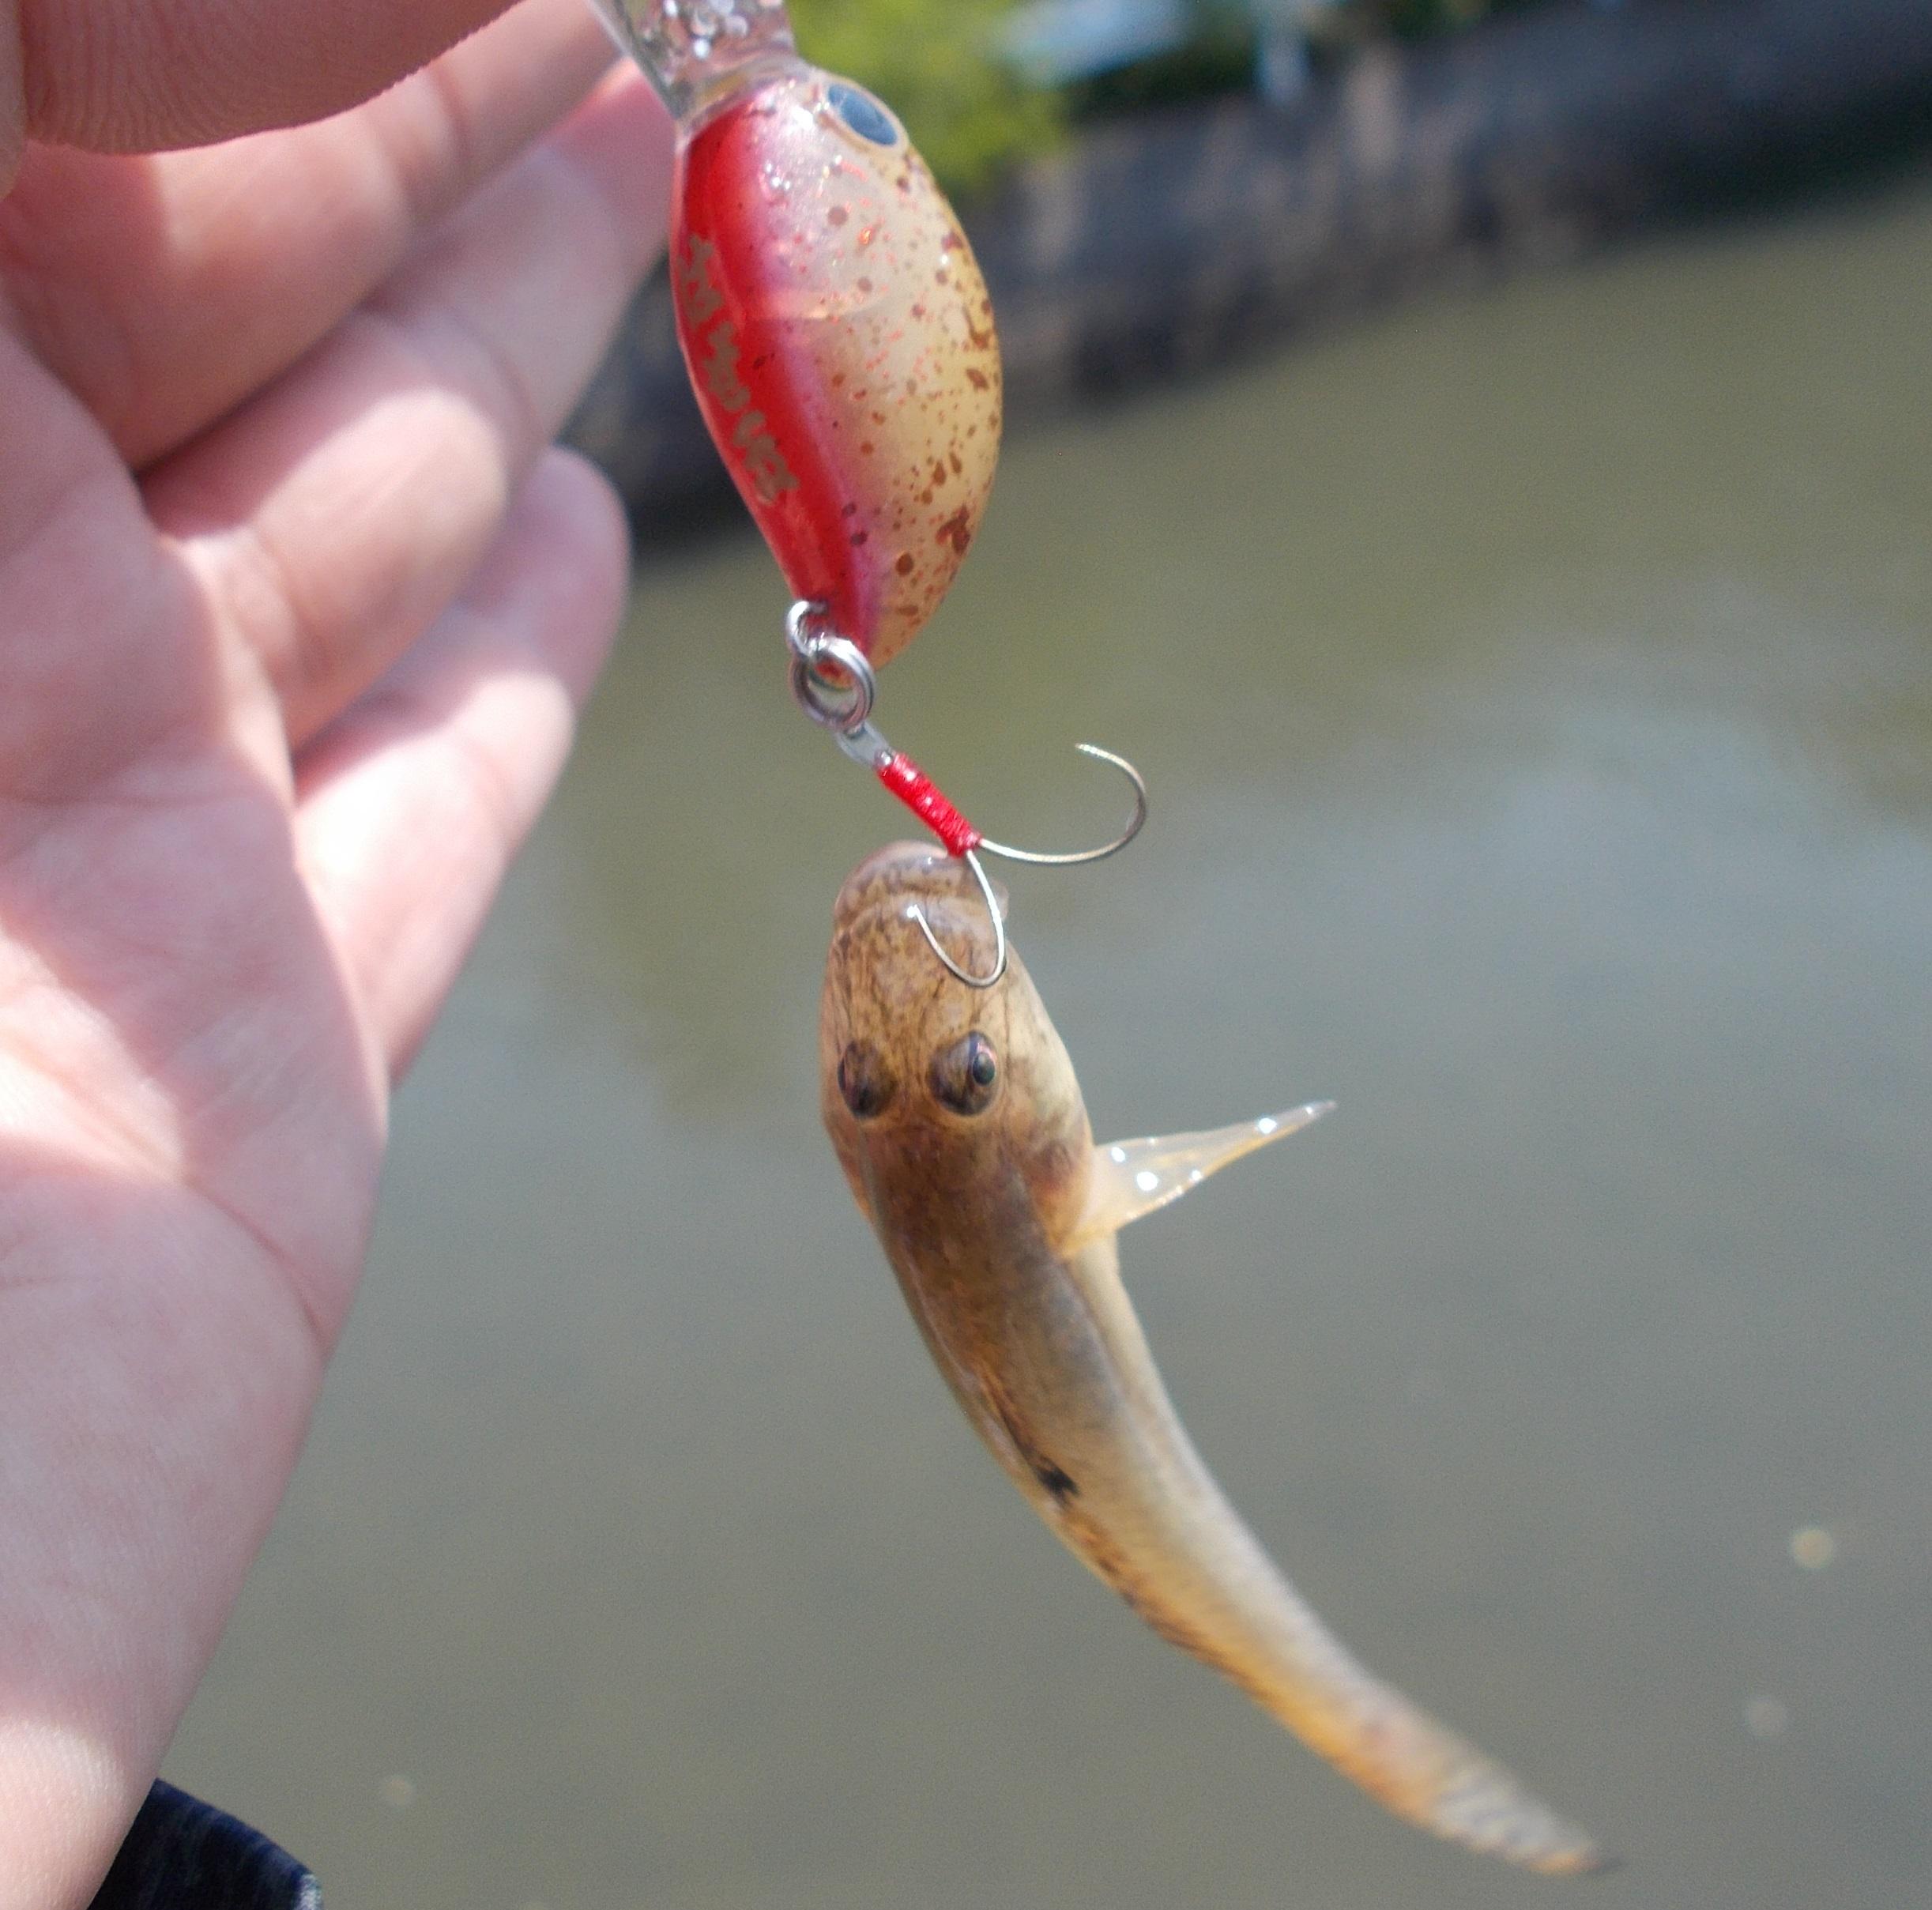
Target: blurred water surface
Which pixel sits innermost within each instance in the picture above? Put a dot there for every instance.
(1536, 692)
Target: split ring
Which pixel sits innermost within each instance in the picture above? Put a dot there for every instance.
(832, 681)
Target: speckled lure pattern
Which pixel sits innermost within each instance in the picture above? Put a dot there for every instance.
(841, 342)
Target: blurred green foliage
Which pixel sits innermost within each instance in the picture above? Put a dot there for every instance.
(934, 62)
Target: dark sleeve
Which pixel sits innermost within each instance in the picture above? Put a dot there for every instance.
(184, 1854)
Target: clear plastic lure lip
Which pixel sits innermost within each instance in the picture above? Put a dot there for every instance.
(693, 50)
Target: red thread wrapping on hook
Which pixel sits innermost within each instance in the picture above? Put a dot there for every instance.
(914, 788)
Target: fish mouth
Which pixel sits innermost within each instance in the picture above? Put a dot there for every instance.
(904, 872)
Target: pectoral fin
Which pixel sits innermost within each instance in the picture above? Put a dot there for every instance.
(1132, 1177)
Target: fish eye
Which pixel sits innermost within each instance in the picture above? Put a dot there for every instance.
(965, 1076)
(864, 1082)
(862, 113)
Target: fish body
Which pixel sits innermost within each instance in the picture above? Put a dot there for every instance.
(837, 331)
(958, 1121)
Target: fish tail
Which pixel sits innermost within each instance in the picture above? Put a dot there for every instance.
(1454, 1790)
(1270, 1644)
(1409, 1762)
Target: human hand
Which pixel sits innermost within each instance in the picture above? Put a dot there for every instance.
(295, 611)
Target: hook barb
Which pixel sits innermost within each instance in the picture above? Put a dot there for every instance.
(1086, 855)
(918, 913)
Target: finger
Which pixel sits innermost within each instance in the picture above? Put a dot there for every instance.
(91, 665)
(140, 75)
(332, 517)
(411, 806)
(163, 291)
(13, 95)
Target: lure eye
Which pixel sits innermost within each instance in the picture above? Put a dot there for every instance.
(965, 1076)
(864, 1084)
(862, 113)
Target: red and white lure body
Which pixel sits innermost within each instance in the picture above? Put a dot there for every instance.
(840, 341)
(838, 334)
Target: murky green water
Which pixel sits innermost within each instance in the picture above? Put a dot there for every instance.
(1536, 692)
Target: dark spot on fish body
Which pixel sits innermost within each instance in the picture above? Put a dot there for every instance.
(1169, 1630)
(1054, 1480)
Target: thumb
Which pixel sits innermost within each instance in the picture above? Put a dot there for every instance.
(145, 75)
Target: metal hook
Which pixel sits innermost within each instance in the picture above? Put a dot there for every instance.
(1087, 855)
(918, 914)
(835, 684)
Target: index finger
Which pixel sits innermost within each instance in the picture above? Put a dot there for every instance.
(145, 75)
(163, 290)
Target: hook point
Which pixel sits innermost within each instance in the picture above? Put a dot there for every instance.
(1077, 856)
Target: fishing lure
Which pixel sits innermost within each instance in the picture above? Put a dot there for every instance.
(841, 342)
(958, 1121)
(838, 334)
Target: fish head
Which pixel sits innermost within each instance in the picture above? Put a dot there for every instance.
(935, 1093)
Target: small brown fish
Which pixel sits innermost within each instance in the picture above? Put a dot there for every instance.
(959, 1123)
